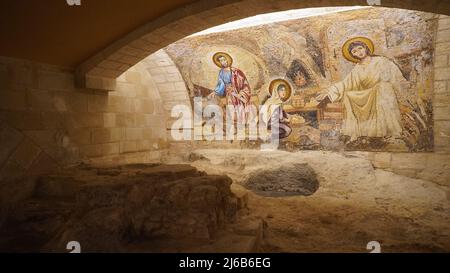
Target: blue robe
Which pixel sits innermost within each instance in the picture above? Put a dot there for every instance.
(223, 81)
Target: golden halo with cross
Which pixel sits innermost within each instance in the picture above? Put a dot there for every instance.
(222, 54)
(274, 86)
(346, 46)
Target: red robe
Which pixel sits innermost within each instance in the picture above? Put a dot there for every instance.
(239, 88)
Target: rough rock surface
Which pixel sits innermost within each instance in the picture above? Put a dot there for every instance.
(295, 179)
(355, 203)
(109, 208)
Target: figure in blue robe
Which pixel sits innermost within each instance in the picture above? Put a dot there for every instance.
(223, 81)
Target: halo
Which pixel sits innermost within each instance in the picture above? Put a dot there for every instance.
(274, 85)
(226, 55)
(346, 46)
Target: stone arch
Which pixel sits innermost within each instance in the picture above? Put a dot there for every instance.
(168, 81)
(101, 70)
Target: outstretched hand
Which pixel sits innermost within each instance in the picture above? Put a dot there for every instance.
(212, 95)
(321, 96)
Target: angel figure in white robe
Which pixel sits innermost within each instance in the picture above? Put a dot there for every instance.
(368, 93)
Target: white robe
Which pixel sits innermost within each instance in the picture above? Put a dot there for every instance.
(368, 95)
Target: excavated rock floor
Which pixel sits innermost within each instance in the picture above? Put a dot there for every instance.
(132, 208)
(353, 205)
(224, 200)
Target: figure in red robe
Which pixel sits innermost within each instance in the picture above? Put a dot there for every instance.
(233, 85)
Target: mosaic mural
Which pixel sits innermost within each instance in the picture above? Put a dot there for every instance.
(354, 80)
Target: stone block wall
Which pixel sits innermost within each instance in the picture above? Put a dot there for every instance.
(45, 121)
(441, 100)
(170, 83)
(427, 166)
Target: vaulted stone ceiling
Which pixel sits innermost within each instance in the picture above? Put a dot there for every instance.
(51, 31)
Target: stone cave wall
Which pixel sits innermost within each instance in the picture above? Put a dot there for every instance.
(46, 122)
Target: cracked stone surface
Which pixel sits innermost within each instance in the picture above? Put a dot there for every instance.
(114, 208)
